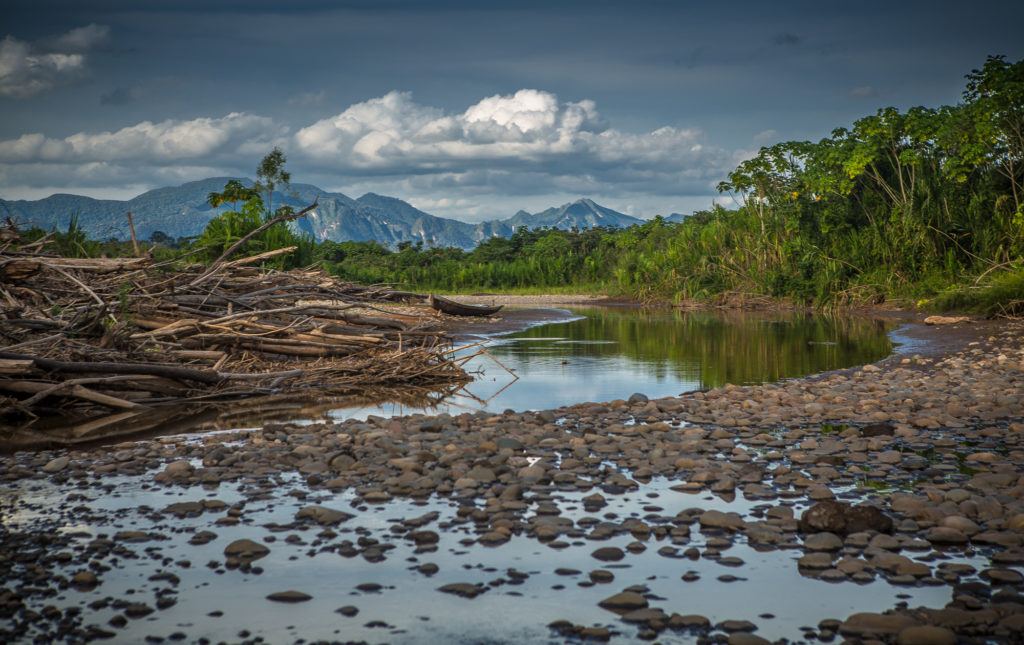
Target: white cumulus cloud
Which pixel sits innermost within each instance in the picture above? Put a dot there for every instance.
(27, 68)
(168, 141)
(394, 132)
(505, 148)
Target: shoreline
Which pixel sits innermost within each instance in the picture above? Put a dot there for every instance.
(932, 439)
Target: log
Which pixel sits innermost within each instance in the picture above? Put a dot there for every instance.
(198, 354)
(102, 367)
(253, 259)
(76, 391)
(370, 321)
(18, 269)
(14, 366)
(97, 265)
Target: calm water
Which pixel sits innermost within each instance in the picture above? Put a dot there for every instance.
(409, 609)
(590, 354)
(605, 353)
(598, 354)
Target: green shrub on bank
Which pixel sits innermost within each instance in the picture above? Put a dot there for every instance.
(1002, 295)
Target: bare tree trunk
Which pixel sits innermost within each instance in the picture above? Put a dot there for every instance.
(131, 229)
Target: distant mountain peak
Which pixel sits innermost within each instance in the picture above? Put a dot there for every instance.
(182, 211)
(580, 214)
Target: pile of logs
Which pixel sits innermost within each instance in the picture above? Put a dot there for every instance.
(96, 338)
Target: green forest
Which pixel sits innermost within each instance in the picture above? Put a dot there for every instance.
(921, 206)
(917, 204)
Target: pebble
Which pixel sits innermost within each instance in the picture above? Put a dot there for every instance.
(290, 596)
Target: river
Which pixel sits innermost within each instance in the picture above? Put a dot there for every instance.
(605, 353)
(594, 354)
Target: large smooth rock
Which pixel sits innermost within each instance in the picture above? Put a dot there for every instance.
(608, 554)
(866, 625)
(627, 600)
(56, 465)
(719, 520)
(323, 515)
(926, 635)
(246, 550)
(843, 519)
(823, 542)
(945, 535)
(946, 320)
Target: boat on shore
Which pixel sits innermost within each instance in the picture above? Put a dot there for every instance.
(452, 308)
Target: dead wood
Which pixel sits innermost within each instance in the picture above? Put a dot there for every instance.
(82, 336)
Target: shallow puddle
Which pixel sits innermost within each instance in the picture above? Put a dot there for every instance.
(408, 608)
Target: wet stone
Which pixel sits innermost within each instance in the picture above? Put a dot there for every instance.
(138, 610)
(246, 550)
(202, 537)
(608, 554)
(945, 535)
(926, 635)
(736, 626)
(56, 465)
(626, 600)
(461, 589)
(323, 515)
(289, 596)
(823, 542)
(688, 621)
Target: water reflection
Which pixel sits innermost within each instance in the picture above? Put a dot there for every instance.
(604, 353)
(594, 354)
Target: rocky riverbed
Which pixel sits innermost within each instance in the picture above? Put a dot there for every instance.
(879, 503)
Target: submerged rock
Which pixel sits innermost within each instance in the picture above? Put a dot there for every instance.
(323, 515)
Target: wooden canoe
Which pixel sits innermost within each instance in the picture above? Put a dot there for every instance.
(452, 308)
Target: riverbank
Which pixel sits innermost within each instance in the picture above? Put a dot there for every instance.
(572, 522)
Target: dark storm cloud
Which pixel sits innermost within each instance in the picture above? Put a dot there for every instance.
(679, 91)
(118, 96)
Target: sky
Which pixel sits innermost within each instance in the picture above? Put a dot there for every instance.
(466, 109)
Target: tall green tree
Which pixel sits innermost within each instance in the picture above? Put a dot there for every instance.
(234, 192)
(270, 174)
(996, 92)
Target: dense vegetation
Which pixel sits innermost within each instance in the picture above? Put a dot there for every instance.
(901, 204)
(922, 203)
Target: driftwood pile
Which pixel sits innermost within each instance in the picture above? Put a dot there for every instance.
(107, 342)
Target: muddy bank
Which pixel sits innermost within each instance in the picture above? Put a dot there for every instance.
(682, 518)
(511, 319)
(546, 300)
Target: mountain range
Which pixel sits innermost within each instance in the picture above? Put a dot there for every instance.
(182, 211)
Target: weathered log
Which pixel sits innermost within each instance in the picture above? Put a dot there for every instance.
(97, 265)
(76, 391)
(253, 259)
(16, 367)
(101, 367)
(198, 354)
(18, 269)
